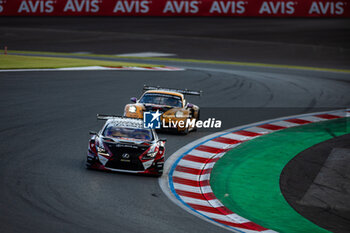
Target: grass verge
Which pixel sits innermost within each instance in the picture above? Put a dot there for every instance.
(34, 62)
(253, 64)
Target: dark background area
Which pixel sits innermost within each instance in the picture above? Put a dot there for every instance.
(319, 42)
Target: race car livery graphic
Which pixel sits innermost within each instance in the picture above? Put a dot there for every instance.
(170, 103)
(123, 144)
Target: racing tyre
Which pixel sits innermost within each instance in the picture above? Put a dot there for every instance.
(195, 128)
(159, 168)
(89, 162)
(184, 132)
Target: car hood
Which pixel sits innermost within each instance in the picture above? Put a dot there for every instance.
(126, 141)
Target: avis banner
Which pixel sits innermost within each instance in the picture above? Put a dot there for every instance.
(236, 8)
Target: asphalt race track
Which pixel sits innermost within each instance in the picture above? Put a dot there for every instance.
(330, 209)
(44, 132)
(46, 116)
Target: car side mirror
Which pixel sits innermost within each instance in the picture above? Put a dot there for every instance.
(162, 140)
(92, 133)
(189, 105)
(133, 99)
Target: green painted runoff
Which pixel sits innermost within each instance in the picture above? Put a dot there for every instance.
(246, 179)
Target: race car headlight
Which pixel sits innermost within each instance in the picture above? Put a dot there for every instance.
(132, 109)
(179, 114)
(152, 154)
(102, 150)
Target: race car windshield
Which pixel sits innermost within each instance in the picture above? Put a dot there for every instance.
(121, 132)
(161, 99)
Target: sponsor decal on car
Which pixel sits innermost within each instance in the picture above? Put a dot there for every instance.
(125, 156)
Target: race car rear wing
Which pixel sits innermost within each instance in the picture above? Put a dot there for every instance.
(117, 117)
(107, 117)
(185, 92)
(122, 120)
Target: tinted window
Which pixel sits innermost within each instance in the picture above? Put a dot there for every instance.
(134, 133)
(161, 99)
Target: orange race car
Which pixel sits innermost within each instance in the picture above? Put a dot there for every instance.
(175, 112)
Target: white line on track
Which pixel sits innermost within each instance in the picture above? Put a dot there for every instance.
(165, 68)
